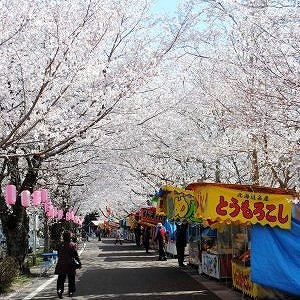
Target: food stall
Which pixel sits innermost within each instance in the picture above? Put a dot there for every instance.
(237, 208)
(149, 217)
(176, 204)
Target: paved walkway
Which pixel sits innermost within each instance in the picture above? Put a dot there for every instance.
(126, 272)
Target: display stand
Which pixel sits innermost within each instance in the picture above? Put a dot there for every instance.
(194, 253)
(216, 253)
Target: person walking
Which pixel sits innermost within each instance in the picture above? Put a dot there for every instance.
(137, 234)
(64, 267)
(161, 237)
(181, 241)
(146, 238)
(118, 236)
(98, 234)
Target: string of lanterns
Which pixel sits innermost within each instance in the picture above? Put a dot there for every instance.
(40, 197)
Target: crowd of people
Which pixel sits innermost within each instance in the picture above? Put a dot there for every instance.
(144, 237)
(68, 259)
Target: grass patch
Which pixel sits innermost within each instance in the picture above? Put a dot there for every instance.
(8, 273)
(38, 259)
(19, 282)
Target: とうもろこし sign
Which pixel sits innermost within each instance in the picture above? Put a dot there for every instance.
(243, 204)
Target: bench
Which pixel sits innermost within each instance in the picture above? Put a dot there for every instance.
(49, 260)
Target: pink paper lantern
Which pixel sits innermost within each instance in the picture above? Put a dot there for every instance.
(25, 198)
(50, 212)
(60, 214)
(11, 194)
(36, 198)
(46, 207)
(71, 215)
(44, 195)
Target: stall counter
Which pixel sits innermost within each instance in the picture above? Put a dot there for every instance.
(216, 265)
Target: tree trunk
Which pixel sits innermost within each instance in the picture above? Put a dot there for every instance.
(46, 235)
(255, 169)
(218, 171)
(15, 220)
(16, 230)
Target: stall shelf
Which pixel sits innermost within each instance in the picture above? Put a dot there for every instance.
(194, 245)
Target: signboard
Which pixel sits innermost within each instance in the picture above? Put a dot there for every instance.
(243, 204)
(194, 253)
(178, 203)
(210, 264)
(242, 281)
(148, 215)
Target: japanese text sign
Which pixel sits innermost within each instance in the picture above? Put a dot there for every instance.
(218, 203)
(148, 215)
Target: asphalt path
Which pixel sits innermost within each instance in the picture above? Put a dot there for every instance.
(127, 272)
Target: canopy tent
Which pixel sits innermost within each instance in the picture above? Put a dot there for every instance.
(275, 257)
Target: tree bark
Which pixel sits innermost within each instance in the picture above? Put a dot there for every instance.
(255, 169)
(15, 220)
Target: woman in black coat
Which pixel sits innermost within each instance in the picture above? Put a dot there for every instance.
(146, 238)
(64, 267)
(181, 241)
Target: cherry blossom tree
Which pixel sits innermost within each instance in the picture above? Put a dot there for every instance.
(244, 66)
(224, 111)
(66, 66)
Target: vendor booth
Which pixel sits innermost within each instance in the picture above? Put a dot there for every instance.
(176, 204)
(234, 210)
(149, 218)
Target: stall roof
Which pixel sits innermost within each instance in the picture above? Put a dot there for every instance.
(243, 187)
(97, 222)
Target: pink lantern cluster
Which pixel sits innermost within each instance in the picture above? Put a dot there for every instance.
(70, 216)
(39, 197)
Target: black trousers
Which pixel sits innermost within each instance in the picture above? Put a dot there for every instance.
(162, 250)
(180, 254)
(61, 282)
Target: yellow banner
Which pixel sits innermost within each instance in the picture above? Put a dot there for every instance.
(216, 202)
(177, 203)
(241, 280)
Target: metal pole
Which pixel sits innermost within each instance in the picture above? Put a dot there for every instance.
(34, 237)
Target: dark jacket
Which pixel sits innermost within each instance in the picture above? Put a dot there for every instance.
(181, 234)
(66, 251)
